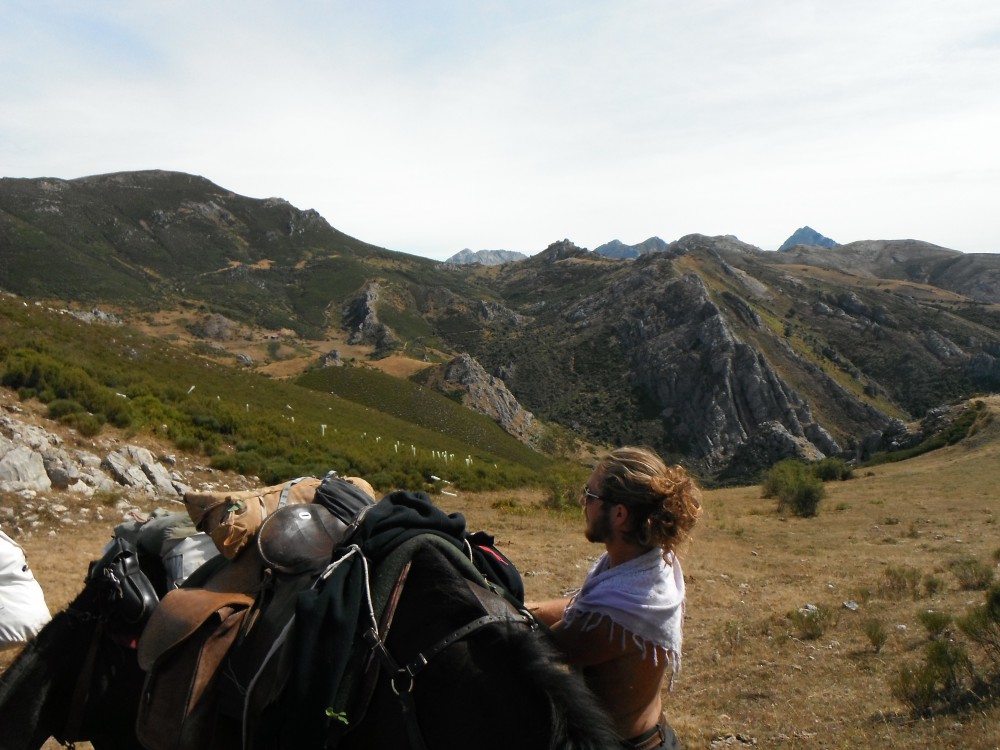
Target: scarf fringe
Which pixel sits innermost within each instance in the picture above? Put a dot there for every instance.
(592, 620)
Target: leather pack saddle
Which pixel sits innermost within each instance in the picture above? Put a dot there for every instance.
(287, 530)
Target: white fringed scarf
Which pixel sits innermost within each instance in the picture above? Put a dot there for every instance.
(643, 596)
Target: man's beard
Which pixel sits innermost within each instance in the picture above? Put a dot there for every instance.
(600, 529)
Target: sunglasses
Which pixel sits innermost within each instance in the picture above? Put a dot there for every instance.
(586, 496)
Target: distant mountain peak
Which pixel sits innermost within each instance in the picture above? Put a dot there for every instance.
(807, 236)
(618, 249)
(485, 257)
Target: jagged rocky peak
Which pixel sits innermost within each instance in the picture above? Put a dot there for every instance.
(807, 236)
(562, 250)
(485, 257)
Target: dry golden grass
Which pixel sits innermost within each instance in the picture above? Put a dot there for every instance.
(747, 671)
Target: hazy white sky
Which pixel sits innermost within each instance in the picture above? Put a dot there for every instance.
(428, 127)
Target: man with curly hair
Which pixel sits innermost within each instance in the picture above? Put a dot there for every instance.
(623, 627)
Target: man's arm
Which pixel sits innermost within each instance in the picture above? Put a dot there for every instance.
(548, 612)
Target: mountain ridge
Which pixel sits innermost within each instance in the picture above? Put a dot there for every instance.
(721, 354)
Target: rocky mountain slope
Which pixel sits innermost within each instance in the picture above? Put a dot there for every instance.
(485, 257)
(718, 353)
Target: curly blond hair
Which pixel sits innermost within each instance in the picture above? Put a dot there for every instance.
(663, 501)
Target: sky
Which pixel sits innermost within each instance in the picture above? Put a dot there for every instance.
(432, 126)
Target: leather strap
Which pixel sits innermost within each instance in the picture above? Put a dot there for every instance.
(422, 659)
(652, 738)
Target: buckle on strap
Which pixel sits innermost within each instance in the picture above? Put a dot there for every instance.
(649, 739)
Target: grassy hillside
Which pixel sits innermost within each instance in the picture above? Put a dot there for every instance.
(416, 404)
(93, 374)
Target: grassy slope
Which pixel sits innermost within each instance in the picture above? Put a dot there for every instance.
(273, 414)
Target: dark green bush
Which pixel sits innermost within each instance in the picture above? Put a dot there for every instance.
(832, 469)
(61, 407)
(797, 488)
(87, 425)
(942, 678)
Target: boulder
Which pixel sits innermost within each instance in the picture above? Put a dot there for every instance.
(62, 470)
(21, 468)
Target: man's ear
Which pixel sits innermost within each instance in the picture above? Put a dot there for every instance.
(619, 516)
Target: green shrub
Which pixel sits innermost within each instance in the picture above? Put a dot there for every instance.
(972, 574)
(224, 462)
(877, 634)
(562, 492)
(509, 505)
(87, 425)
(812, 621)
(831, 469)
(795, 486)
(934, 622)
(933, 585)
(914, 686)
(945, 675)
(61, 407)
(982, 625)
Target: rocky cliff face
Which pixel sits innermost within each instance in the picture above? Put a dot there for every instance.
(717, 395)
(485, 257)
(361, 319)
(489, 395)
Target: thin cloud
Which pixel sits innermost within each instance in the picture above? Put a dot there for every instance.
(436, 126)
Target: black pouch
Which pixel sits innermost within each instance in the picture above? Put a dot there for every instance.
(344, 500)
(125, 594)
(495, 566)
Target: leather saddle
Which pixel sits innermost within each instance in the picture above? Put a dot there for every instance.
(204, 643)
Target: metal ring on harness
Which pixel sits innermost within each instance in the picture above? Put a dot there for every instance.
(409, 687)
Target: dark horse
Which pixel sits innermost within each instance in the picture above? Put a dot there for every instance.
(79, 678)
(501, 685)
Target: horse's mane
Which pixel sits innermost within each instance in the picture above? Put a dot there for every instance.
(577, 720)
(24, 665)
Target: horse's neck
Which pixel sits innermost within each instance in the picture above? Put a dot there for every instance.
(34, 690)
